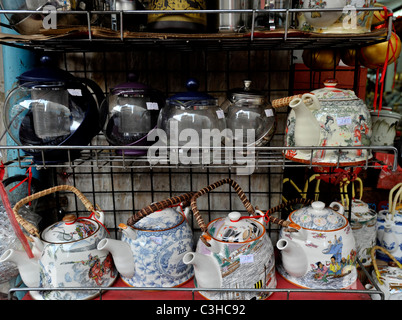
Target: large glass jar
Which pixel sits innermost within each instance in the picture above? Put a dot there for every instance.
(247, 109)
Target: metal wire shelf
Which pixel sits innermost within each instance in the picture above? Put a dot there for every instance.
(261, 157)
(90, 38)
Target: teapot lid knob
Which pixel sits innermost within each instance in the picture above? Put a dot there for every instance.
(318, 205)
(192, 84)
(247, 85)
(234, 216)
(68, 218)
(330, 83)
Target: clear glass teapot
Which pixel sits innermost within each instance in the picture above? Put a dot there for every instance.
(51, 107)
(247, 109)
(133, 110)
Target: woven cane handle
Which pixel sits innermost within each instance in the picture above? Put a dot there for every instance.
(184, 198)
(213, 186)
(283, 102)
(373, 258)
(31, 229)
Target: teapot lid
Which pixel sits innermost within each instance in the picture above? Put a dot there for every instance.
(331, 92)
(70, 229)
(160, 220)
(45, 73)
(361, 211)
(132, 86)
(234, 229)
(192, 94)
(318, 217)
(246, 93)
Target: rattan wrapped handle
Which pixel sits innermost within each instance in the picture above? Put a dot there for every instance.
(31, 229)
(283, 102)
(377, 272)
(184, 198)
(211, 187)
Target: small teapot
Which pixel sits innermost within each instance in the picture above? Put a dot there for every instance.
(322, 253)
(66, 254)
(327, 117)
(233, 252)
(158, 237)
(389, 225)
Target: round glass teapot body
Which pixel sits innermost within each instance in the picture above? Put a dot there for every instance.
(50, 107)
(190, 115)
(133, 113)
(249, 117)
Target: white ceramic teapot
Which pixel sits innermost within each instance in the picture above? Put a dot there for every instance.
(158, 236)
(328, 117)
(321, 254)
(389, 225)
(233, 252)
(66, 254)
(319, 19)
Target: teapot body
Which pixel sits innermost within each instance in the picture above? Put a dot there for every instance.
(343, 119)
(320, 255)
(158, 253)
(75, 263)
(245, 264)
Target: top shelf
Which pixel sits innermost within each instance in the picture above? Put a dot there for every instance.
(91, 38)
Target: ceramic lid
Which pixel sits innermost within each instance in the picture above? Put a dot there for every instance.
(331, 92)
(160, 220)
(318, 217)
(234, 229)
(70, 229)
(386, 112)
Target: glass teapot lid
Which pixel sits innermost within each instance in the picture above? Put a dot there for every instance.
(246, 94)
(192, 97)
(318, 217)
(161, 220)
(235, 229)
(331, 92)
(70, 229)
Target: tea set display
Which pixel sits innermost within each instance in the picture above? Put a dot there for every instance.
(317, 248)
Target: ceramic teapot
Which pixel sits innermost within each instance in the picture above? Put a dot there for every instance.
(66, 254)
(233, 252)
(388, 278)
(328, 117)
(51, 107)
(319, 19)
(363, 221)
(158, 237)
(389, 225)
(322, 253)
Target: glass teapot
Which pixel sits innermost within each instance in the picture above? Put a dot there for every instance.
(247, 109)
(133, 110)
(51, 107)
(190, 114)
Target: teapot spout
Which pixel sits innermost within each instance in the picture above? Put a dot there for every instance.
(206, 270)
(307, 128)
(294, 259)
(28, 268)
(122, 256)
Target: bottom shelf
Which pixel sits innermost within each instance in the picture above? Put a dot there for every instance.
(286, 291)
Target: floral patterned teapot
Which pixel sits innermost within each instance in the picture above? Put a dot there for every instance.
(158, 237)
(66, 254)
(327, 117)
(322, 253)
